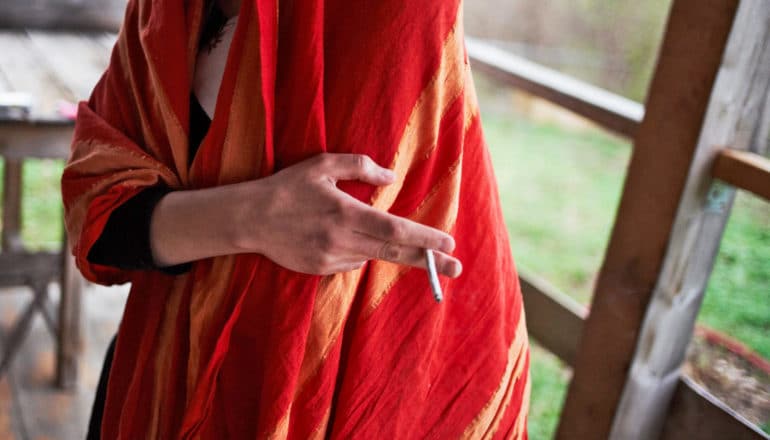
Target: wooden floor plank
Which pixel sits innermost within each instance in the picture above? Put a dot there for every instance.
(27, 73)
(43, 411)
(7, 411)
(107, 40)
(78, 59)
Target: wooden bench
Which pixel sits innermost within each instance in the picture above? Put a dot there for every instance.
(49, 67)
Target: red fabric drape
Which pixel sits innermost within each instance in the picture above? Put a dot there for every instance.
(243, 348)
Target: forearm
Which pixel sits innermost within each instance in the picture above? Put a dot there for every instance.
(196, 224)
(299, 219)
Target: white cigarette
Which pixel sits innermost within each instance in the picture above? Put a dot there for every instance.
(433, 275)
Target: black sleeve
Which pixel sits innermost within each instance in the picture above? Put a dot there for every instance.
(125, 240)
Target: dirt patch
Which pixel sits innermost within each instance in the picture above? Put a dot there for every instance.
(737, 380)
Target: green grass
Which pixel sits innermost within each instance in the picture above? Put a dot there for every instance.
(42, 224)
(737, 300)
(559, 192)
(549, 386)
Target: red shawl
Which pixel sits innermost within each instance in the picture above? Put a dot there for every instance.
(243, 348)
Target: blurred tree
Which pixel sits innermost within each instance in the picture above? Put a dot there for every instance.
(611, 44)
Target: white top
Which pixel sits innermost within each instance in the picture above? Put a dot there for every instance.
(210, 68)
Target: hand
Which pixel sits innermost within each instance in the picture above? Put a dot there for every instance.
(300, 219)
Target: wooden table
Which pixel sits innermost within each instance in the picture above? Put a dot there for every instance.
(50, 66)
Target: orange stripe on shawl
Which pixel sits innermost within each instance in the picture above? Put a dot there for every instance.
(486, 422)
(421, 132)
(438, 209)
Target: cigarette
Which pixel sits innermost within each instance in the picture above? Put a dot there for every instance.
(433, 275)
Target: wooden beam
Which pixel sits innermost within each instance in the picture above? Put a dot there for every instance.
(763, 131)
(745, 170)
(696, 414)
(21, 328)
(70, 334)
(20, 268)
(35, 139)
(11, 227)
(554, 319)
(689, 59)
(611, 111)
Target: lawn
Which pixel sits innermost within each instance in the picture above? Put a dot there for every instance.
(559, 190)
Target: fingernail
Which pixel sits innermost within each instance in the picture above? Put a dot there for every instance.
(448, 244)
(389, 174)
(453, 270)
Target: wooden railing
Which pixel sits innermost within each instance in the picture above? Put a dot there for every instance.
(611, 111)
(553, 318)
(745, 170)
(556, 321)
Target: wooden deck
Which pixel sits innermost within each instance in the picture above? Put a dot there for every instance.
(31, 407)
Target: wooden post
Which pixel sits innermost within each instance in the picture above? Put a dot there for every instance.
(11, 233)
(665, 146)
(69, 336)
(733, 115)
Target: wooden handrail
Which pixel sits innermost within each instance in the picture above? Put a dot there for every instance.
(611, 111)
(556, 322)
(745, 170)
(42, 139)
(553, 317)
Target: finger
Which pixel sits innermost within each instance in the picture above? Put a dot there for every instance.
(353, 266)
(344, 267)
(345, 263)
(400, 230)
(372, 248)
(342, 166)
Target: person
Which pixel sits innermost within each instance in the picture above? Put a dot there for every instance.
(230, 164)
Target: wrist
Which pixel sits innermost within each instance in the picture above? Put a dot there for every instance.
(249, 207)
(158, 232)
